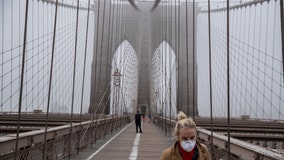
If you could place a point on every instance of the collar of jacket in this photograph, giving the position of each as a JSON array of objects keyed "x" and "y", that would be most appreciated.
[{"x": 177, "y": 155}]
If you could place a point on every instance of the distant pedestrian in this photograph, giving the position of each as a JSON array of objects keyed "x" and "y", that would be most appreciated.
[
  {"x": 138, "y": 122},
  {"x": 143, "y": 117},
  {"x": 150, "y": 119}
]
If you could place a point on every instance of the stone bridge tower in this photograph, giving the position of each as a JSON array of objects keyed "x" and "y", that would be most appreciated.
[{"x": 145, "y": 31}]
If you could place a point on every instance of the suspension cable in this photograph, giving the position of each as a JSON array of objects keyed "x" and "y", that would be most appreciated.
[
  {"x": 186, "y": 44},
  {"x": 170, "y": 81},
  {"x": 193, "y": 58},
  {"x": 265, "y": 50},
  {"x": 118, "y": 29},
  {"x": 165, "y": 68},
  {"x": 101, "y": 49},
  {"x": 50, "y": 79},
  {"x": 228, "y": 80},
  {"x": 74, "y": 78},
  {"x": 85, "y": 55},
  {"x": 84, "y": 70},
  {"x": 96, "y": 58},
  {"x": 210, "y": 78},
  {"x": 258, "y": 57},
  {"x": 2, "y": 53},
  {"x": 282, "y": 34},
  {"x": 164, "y": 75},
  {"x": 22, "y": 79},
  {"x": 178, "y": 58},
  {"x": 11, "y": 90},
  {"x": 109, "y": 43}
]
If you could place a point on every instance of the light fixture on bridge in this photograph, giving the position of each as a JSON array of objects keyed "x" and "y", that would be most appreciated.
[{"x": 116, "y": 76}]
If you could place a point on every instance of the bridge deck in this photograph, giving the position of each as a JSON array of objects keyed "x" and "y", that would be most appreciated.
[{"x": 128, "y": 144}]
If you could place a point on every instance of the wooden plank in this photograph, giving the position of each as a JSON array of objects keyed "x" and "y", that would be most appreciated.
[{"x": 151, "y": 144}]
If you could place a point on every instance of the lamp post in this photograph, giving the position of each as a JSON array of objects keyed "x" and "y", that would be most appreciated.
[{"x": 116, "y": 82}]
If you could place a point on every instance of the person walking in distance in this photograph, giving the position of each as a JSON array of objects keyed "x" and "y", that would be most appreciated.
[
  {"x": 138, "y": 122},
  {"x": 143, "y": 117}
]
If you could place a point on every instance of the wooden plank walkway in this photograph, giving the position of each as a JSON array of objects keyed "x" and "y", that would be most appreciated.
[{"x": 133, "y": 146}]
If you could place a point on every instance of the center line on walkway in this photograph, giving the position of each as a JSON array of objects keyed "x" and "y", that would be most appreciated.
[
  {"x": 108, "y": 142},
  {"x": 134, "y": 152}
]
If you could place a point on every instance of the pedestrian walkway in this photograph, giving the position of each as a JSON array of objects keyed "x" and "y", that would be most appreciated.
[{"x": 128, "y": 144}]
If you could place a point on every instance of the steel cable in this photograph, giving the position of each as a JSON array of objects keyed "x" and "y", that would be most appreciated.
[{"x": 22, "y": 80}]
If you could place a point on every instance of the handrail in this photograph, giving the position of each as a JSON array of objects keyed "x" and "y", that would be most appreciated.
[
  {"x": 34, "y": 139},
  {"x": 239, "y": 148}
]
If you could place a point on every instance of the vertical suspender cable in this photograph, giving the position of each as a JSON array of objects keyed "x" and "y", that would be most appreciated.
[
  {"x": 115, "y": 21},
  {"x": 186, "y": 45},
  {"x": 85, "y": 55},
  {"x": 193, "y": 59},
  {"x": 118, "y": 44},
  {"x": 210, "y": 77},
  {"x": 50, "y": 79},
  {"x": 273, "y": 49},
  {"x": 265, "y": 51},
  {"x": 38, "y": 44},
  {"x": 282, "y": 34},
  {"x": 2, "y": 53},
  {"x": 162, "y": 68},
  {"x": 112, "y": 48},
  {"x": 11, "y": 65},
  {"x": 109, "y": 50},
  {"x": 118, "y": 27},
  {"x": 258, "y": 58},
  {"x": 74, "y": 78},
  {"x": 101, "y": 50},
  {"x": 22, "y": 80},
  {"x": 100, "y": 57},
  {"x": 176, "y": 48},
  {"x": 228, "y": 79},
  {"x": 165, "y": 64},
  {"x": 84, "y": 69},
  {"x": 178, "y": 59},
  {"x": 165, "y": 68},
  {"x": 96, "y": 59},
  {"x": 170, "y": 82}
]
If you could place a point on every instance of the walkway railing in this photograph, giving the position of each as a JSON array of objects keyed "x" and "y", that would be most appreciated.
[
  {"x": 31, "y": 144},
  {"x": 240, "y": 149}
]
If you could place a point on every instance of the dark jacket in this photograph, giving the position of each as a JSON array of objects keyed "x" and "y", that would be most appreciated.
[
  {"x": 138, "y": 118},
  {"x": 173, "y": 153}
]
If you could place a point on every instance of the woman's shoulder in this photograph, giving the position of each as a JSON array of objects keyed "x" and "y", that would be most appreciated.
[
  {"x": 168, "y": 150},
  {"x": 167, "y": 153},
  {"x": 201, "y": 145},
  {"x": 203, "y": 151}
]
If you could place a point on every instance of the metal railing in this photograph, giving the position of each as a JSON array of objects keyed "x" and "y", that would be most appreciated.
[
  {"x": 31, "y": 144},
  {"x": 240, "y": 149}
]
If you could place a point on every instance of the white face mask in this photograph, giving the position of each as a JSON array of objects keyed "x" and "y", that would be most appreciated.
[{"x": 188, "y": 145}]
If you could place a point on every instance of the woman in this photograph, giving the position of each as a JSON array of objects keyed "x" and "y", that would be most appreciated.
[{"x": 186, "y": 146}]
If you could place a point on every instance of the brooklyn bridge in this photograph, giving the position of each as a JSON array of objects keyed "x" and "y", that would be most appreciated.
[{"x": 73, "y": 74}]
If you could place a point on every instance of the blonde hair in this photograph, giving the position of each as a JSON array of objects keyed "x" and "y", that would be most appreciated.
[{"x": 183, "y": 122}]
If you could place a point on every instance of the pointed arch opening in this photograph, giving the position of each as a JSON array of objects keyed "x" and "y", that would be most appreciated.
[
  {"x": 164, "y": 81},
  {"x": 124, "y": 80}
]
